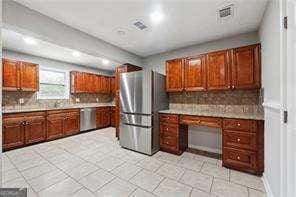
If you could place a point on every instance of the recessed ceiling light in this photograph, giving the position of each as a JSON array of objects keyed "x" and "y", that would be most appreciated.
[
  {"x": 76, "y": 53},
  {"x": 121, "y": 33},
  {"x": 156, "y": 17},
  {"x": 105, "y": 62},
  {"x": 30, "y": 40}
]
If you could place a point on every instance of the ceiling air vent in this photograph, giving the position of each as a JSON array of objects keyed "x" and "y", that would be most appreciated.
[
  {"x": 225, "y": 12},
  {"x": 140, "y": 25}
]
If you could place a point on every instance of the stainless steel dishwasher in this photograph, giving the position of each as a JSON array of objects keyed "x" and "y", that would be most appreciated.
[{"x": 87, "y": 118}]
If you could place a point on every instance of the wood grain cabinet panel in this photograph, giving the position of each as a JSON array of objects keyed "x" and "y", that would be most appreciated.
[
  {"x": 103, "y": 117},
  {"x": 246, "y": 72},
  {"x": 13, "y": 132},
  {"x": 11, "y": 75},
  {"x": 29, "y": 77},
  {"x": 112, "y": 117},
  {"x": 97, "y": 84},
  {"x": 35, "y": 128},
  {"x": 237, "y": 139},
  {"x": 240, "y": 125},
  {"x": 218, "y": 70},
  {"x": 112, "y": 85},
  {"x": 55, "y": 126},
  {"x": 72, "y": 123},
  {"x": 174, "y": 75},
  {"x": 77, "y": 82},
  {"x": 195, "y": 74}
]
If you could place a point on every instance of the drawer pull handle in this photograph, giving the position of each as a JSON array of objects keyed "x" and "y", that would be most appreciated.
[
  {"x": 167, "y": 142},
  {"x": 238, "y": 124},
  {"x": 238, "y": 157},
  {"x": 238, "y": 139},
  {"x": 167, "y": 129}
]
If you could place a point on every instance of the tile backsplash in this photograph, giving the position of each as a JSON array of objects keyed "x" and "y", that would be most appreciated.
[
  {"x": 249, "y": 101},
  {"x": 12, "y": 99}
]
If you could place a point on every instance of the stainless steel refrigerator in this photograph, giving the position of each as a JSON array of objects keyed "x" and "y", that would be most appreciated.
[{"x": 142, "y": 95}]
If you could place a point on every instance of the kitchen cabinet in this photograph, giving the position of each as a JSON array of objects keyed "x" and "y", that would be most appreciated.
[
  {"x": 174, "y": 75},
  {"x": 218, "y": 70},
  {"x": 246, "y": 72},
  {"x": 97, "y": 83},
  {"x": 77, "y": 82},
  {"x": 103, "y": 117},
  {"x": 62, "y": 122},
  {"x": 195, "y": 74},
  {"x": 112, "y": 85},
  {"x": 23, "y": 129},
  {"x": 89, "y": 82},
  {"x": 105, "y": 84},
  {"x": 112, "y": 117},
  {"x": 20, "y": 76}
]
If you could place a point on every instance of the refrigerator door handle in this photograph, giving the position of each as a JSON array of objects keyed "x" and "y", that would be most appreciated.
[{"x": 142, "y": 126}]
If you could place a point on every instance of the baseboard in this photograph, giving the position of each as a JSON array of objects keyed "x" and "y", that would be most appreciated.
[
  {"x": 204, "y": 148},
  {"x": 267, "y": 186}
]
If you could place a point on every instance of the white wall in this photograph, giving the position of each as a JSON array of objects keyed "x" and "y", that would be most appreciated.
[
  {"x": 24, "y": 20},
  {"x": 271, "y": 68},
  {"x": 49, "y": 63},
  {"x": 157, "y": 62}
]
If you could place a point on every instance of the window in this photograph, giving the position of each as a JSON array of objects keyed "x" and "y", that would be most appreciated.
[{"x": 53, "y": 84}]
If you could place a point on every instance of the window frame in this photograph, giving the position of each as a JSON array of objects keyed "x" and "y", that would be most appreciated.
[{"x": 66, "y": 84}]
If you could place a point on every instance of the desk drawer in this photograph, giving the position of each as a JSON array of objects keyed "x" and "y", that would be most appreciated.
[
  {"x": 173, "y": 129},
  {"x": 239, "y": 159},
  {"x": 240, "y": 125},
  {"x": 241, "y": 140},
  {"x": 200, "y": 121},
  {"x": 169, "y": 142},
  {"x": 168, "y": 118}
]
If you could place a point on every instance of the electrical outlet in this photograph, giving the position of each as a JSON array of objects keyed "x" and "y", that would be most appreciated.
[
  {"x": 77, "y": 100},
  {"x": 97, "y": 99},
  {"x": 21, "y": 101}
]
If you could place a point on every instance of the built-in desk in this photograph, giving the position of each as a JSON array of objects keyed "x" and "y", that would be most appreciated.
[{"x": 243, "y": 139}]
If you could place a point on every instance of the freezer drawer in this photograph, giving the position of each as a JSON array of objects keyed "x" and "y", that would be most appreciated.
[
  {"x": 136, "y": 138},
  {"x": 136, "y": 119}
]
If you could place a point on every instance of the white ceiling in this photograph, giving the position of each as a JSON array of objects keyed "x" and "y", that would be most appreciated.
[
  {"x": 12, "y": 40},
  {"x": 186, "y": 22}
]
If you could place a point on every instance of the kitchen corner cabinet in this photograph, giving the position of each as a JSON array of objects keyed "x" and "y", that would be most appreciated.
[
  {"x": 246, "y": 67},
  {"x": 195, "y": 74},
  {"x": 218, "y": 70},
  {"x": 174, "y": 75},
  {"x": 238, "y": 68},
  {"x": 22, "y": 129},
  {"x": 20, "y": 76},
  {"x": 103, "y": 117}
]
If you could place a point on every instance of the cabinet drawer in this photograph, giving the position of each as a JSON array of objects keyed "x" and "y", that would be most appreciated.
[
  {"x": 172, "y": 129},
  {"x": 169, "y": 118},
  {"x": 241, "y": 140},
  {"x": 169, "y": 142},
  {"x": 239, "y": 125},
  {"x": 200, "y": 121},
  {"x": 239, "y": 159}
]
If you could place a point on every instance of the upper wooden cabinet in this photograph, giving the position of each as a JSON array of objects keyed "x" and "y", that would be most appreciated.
[
  {"x": 174, "y": 75},
  {"x": 238, "y": 68},
  {"x": 20, "y": 76},
  {"x": 246, "y": 67},
  {"x": 89, "y": 83},
  {"x": 195, "y": 73},
  {"x": 112, "y": 85},
  {"x": 218, "y": 70}
]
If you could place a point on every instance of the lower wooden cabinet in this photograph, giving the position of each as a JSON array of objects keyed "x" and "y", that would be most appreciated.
[
  {"x": 103, "y": 117},
  {"x": 62, "y": 122},
  {"x": 23, "y": 128},
  {"x": 112, "y": 117}
]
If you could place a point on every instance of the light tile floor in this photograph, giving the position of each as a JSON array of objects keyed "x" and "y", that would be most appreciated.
[{"x": 93, "y": 164}]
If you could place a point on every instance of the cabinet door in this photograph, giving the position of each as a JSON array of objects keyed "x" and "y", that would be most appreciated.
[
  {"x": 195, "y": 74},
  {"x": 246, "y": 67},
  {"x": 55, "y": 126},
  {"x": 72, "y": 123},
  {"x": 105, "y": 85},
  {"x": 112, "y": 117},
  {"x": 99, "y": 118},
  {"x": 97, "y": 83},
  {"x": 106, "y": 117},
  {"x": 35, "y": 129},
  {"x": 77, "y": 82},
  {"x": 112, "y": 85},
  {"x": 174, "y": 75},
  {"x": 11, "y": 75},
  {"x": 218, "y": 70},
  {"x": 89, "y": 82},
  {"x": 29, "y": 79},
  {"x": 13, "y": 132}
]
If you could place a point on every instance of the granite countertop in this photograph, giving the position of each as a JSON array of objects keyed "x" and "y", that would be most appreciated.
[
  {"x": 240, "y": 115},
  {"x": 36, "y": 108}
]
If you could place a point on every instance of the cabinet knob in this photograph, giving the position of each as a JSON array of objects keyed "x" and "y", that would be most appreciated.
[
  {"x": 167, "y": 142},
  {"x": 238, "y": 124},
  {"x": 228, "y": 87},
  {"x": 233, "y": 86},
  {"x": 167, "y": 129},
  {"x": 238, "y": 139},
  {"x": 238, "y": 157}
]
